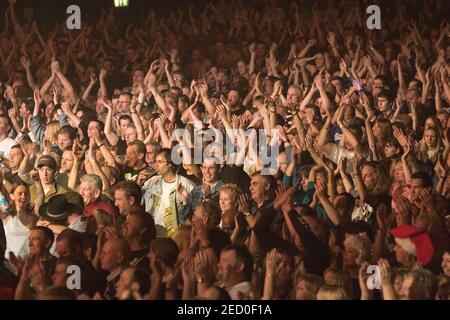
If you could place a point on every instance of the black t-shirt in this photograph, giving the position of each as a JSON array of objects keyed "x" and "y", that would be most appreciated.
[
  {"x": 139, "y": 259},
  {"x": 132, "y": 174}
]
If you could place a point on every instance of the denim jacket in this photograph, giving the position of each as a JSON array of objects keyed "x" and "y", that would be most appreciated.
[
  {"x": 196, "y": 196},
  {"x": 38, "y": 127},
  {"x": 152, "y": 200}
]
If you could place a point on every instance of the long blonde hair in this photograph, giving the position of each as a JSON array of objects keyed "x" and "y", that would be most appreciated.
[
  {"x": 382, "y": 179},
  {"x": 332, "y": 293},
  {"x": 412, "y": 163},
  {"x": 423, "y": 145},
  {"x": 52, "y": 131}
]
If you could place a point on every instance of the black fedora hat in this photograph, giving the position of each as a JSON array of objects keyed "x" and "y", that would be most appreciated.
[{"x": 57, "y": 208}]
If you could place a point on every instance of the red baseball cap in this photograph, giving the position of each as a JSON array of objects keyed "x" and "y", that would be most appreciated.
[{"x": 421, "y": 240}]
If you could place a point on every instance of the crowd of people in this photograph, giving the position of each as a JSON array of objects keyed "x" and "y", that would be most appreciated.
[{"x": 93, "y": 204}]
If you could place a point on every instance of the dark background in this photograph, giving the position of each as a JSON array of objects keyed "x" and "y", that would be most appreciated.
[{"x": 47, "y": 12}]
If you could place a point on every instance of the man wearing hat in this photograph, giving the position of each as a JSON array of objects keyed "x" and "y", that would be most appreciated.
[
  {"x": 60, "y": 212},
  {"x": 47, "y": 169},
  {"x": 63, "y": 211},
  {"x": 412, "y": 246}
]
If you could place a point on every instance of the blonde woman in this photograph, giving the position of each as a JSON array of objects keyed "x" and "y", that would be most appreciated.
[
  {"x": 401, "y": 172},
  {"x": 429, "y": 148},
  {"x": 336, "y": 277},
  {"x": 50, "y": 143},
  {"x": 46, "y": 133},
  {"x": 228, "y": 201},
  {"x": 371, "y": 181},
  {"x": 332, "y": 293},
  {"x": 306, "y": 287},
  {"x": 433, "y": 122}
]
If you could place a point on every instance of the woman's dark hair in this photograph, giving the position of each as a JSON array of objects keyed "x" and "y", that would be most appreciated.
[
  {"x": 426, "y": 180},
  {"x": 166, "y": 249},
  {"x": 89, "y": 242},
  {"x": 142, "y": 276},
  {"x": 13, "y": 188}
]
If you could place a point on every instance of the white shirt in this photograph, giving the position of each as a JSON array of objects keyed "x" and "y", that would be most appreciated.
[
  {"x": 338, "y": 152},
  {"x": 245, "y": 288},
  {"x": 5, "y": 147},
  {"x": 16, "y": 235},
  {"x": 167, "y": 189},
  {"x": 79, "y": 225}
]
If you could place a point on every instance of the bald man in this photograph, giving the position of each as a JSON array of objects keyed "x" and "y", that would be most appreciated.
[{"x": 114, "y": 258}]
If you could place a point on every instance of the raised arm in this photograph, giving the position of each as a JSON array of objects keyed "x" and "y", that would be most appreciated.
[
  {"x": 97, "y": 170},
  {"x": 323, "y": 134},
  {"x": 65, "y": 107},
  {"x": 27, "y": 67},
  {"x": 426, "y": 87},
  {"x": 371, "y": 139},
  {"x": 346, "y": 179},
  {"x": 165, "y": 140},
  {"x": 137, "y": 121},
  {"x": 77, "y": 154},
  {"x": 17, "y": 27},
  {"x": 401, "y": 81},
  {"x": 329, "y": 208},
  {"x": 309, "y": 96},
  {"x": 437, "y": 96},
  {"x": 160, "y": 102},
  {"x": 351, "y": 138},
  {"x": 203, "y": 89},
  {"x": 406, "y": 168},
  {"x": 331, "y": 38},
  {"x": 110, "y": 135},
  {"x": 377, "y": 55},
  {"x": 323, "y": 95},
  {"x": 168, "y": 74},
  {"x": 38, "y": 34},
  {"x": 13, "y": 116},
  {"x": 192, "y": 19},
  {"x": 386, "y": 280},
  {"x": 414, "y": 115},
  {"x": 49, "y": 82},
  {"x": 88, "y": 90},
  {"x": 65, "y": 82},
  {"x": 103, "y": 91},
  {"x": 251, "y": 67}
]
